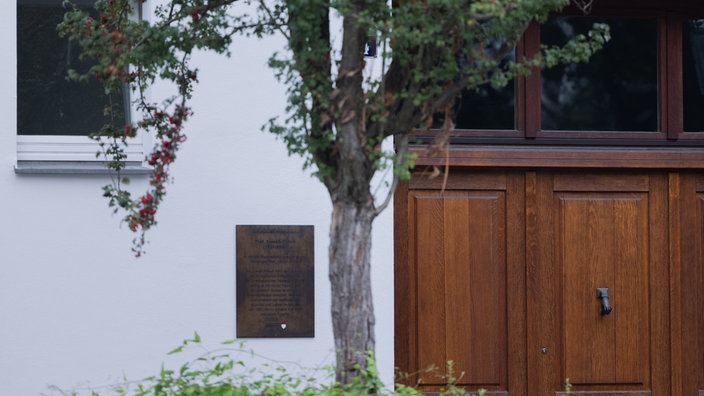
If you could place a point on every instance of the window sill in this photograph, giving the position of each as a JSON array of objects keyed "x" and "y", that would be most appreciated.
[
  {"x": 73, "y": 155},
  {"x": 77, "y": 168}
]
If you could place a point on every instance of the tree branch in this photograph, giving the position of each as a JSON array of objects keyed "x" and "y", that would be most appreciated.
[
  {"x": 401, "y": 151},
  {"x": 309, "y": 40}
]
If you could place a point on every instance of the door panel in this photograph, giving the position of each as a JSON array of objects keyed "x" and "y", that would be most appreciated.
[
  {"x": 461, "y": 260},
  {"x": 460, "y": 250},
  {"x": 603, "y": 243},
  {"x": 598, "y": 231}
]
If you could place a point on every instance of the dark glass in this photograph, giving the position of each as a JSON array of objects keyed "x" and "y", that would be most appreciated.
[
  {"x": 48, "y": 103},
  {"x": 487, "y": 108},
  {"x": 693, "y": 75},
  {"x": 617, "y": 90}
]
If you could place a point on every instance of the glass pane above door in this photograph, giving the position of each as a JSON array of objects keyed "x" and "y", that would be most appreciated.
[
  {"x": 617, "y": 90},
  {"x": 693, "y": 75}
]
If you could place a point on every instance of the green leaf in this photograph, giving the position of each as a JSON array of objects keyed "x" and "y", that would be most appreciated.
[{"x": 176, "y": 350}]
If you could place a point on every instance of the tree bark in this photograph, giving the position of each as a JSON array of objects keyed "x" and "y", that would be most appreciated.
[{"x": 352, "y": 307}]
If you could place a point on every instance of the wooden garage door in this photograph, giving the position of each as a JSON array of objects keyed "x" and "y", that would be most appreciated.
[{"x": 501, "y": 278}]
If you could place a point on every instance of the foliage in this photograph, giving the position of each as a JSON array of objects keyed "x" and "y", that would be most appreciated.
[
  {"x": 430, "y": 63},
  {"x": 127, "y": 51},
  {"x": 224, "y": 373}
]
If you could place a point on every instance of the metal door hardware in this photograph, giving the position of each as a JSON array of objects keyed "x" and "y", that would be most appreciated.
[{"x": 602, "y": 293}]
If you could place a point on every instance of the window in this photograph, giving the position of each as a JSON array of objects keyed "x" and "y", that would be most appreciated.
[
  {"x": 645, "y": 87},
  {"x": 54, "y": 114}
]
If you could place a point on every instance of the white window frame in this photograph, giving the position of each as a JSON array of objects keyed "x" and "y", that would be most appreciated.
[{"x": 65, "y": 154}]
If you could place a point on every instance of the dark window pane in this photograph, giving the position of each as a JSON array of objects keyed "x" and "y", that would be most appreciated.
[
  {"x": 47, "y": 102},
  {"x": 484, "y": 108},
  {"x": 487, "y": 108},
  {"x": 616, "y": 91},
  {"x": 693, "y": 75}
]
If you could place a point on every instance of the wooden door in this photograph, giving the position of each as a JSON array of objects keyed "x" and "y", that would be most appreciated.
[
  {"x": 597, "y": 230},
  {"x": 500, "y": 271}
]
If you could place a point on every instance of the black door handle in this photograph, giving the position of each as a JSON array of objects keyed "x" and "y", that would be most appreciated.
[{"x": 602, "y": 293}]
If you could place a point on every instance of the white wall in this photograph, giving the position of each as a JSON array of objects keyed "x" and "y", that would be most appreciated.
[{"x": 77, "y": 309}]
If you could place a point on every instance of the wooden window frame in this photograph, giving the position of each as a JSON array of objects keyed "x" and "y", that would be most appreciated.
[{"x": 670, "y": 16}]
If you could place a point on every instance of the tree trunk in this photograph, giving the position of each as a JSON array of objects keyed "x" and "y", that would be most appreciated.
[
  {"x": 353, "y": 210},
  {"x": 352, "y": 307}
]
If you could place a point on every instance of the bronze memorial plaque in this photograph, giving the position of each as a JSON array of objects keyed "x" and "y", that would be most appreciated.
[{"x": 275, "y": 286}]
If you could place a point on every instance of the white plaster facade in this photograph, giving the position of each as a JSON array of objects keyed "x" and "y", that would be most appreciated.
[{"x": 77, "y": 309}]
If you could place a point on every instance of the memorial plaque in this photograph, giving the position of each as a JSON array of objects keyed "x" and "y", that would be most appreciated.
[{"x": 275, "y": 285}]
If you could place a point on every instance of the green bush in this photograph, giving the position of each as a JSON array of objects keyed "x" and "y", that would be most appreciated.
[{"x": 220, "y": 373}]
